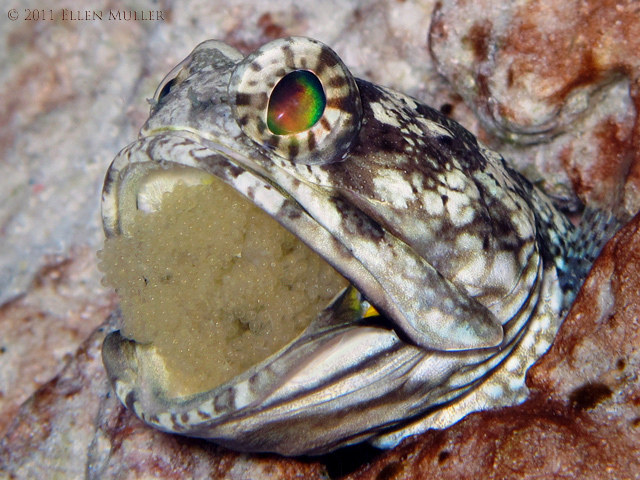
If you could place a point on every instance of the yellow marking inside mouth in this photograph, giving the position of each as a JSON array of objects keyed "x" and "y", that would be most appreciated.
[{"x": 371, "y": 312}]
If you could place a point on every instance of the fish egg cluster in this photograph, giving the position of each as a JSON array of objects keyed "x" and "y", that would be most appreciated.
[{"x": 214, "y": 284}]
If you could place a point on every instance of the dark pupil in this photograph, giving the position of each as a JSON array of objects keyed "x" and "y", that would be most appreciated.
[
  {"x": 296, "y": 103},
  {"x": 167, "y": 88}
]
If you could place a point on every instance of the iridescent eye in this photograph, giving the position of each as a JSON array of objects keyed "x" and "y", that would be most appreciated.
[
  {"x": 296, "y": 104},
  {"x": 297, "y": 101}
]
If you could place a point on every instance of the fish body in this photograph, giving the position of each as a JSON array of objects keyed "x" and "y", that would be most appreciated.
[{"x": 470, "y": 268}]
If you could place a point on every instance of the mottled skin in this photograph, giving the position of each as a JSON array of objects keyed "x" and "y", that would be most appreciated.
[{"x": 463, "y": 257}]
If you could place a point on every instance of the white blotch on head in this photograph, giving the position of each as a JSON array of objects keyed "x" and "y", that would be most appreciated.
[
  {"x": 513, "y": 364},
  {"x": 525, "y": 252},
  {"x": 456, "y": 180},
  {"x": 459, "y": 208},
  {"x": 527, "y": 342},
  {"x": 467, "y": 241},
  {"x": 504, "y": 270},
  {"x": 243, "y": 396},
  {"x": 542, "y": 323},
  {"x": 434, "y": 128},
  {"x": 490, "y": 184},
  {"x": 494, "y": 390},
  {"x": 524, "y": 223},
  {"x": 381, "y": 114},
  {"x": 206, "y": 408},
  {"x": 516, "y": 383},
  {"x": 392, "y": 187},
  {"x": 432, "y": 202},
  {"x": 542, "y": 346},
  {"x": 473, "y": 272},
  {"x": 164, "y": 421}
]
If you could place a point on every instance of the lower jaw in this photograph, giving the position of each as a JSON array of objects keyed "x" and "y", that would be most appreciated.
[{"x": 213, "y": 284}]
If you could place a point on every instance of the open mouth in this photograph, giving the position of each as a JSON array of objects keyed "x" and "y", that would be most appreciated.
[
  {"x": 231, "y": 234},
  {"x": 209, "y": 281}
]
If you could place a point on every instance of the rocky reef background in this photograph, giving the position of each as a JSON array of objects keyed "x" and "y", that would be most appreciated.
[{"x": 554, "y": 86}]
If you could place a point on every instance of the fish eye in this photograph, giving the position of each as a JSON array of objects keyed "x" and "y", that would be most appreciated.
[
  {"x": 296, "y": 103},
  {"x": 296, "y": 99}
]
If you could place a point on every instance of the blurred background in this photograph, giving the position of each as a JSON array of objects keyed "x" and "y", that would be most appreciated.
[{"x": 552, "y": 85}]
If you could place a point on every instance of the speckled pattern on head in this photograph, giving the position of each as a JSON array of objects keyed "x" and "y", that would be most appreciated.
[{"x": 462, "y": 257}]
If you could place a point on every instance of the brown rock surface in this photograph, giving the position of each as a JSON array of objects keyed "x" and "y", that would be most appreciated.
[
  {"x": 541, "y": 70},
  {"x": 73, "y": 93},
  {"x": 41, "y": 331}
]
